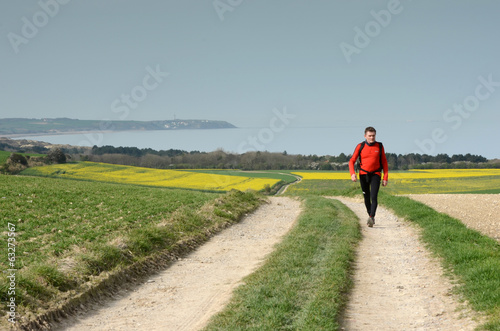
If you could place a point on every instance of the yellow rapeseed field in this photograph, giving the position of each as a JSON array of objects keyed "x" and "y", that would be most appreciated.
[
  {"x": 444, "y": 173},
  {"x": 323, "y": 175},
  {"x": 413, "y": 174},
  {"x": 153, "y": 177},
  {"x": 426, "y": 181}
]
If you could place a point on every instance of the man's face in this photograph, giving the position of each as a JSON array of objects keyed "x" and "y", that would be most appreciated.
[{"x": 370, "y": 137}]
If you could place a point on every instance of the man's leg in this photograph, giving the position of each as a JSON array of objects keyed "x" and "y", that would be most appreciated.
[
  {"x": 365, "y": 187},
  {"x": 375, "y": 186}
]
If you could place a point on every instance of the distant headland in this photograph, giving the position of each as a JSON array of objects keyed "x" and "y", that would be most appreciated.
[{"x": 10, "y": 127}]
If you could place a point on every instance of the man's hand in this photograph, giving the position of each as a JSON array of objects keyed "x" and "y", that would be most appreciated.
[
  {"x": 384, "y": 183},
  {"x": 353, "y": 177}
]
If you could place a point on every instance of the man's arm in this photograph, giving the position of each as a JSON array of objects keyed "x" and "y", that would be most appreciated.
[
  {"x": 352, "y": 161},
  {"x": 385, "y": 168}
]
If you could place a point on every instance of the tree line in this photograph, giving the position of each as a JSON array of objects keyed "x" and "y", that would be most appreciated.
[
  {"x": 220, "y": 159},
  {"x": 263, "y": 160}
]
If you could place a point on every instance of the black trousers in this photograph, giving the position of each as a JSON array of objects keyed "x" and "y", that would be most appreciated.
[{"x": 370, "y": 184}]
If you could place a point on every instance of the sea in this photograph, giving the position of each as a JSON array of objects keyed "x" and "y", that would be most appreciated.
[{"x": 292, "y": 140}]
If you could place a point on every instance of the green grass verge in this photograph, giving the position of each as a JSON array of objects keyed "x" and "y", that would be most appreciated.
[
  {"x": 303, "y": 283},
  {"x": 4, "y": 156},
  {"x": 471, "y": 258},
  {"x": 323, "y": 187},
  {"x": 68, "y": 233}
]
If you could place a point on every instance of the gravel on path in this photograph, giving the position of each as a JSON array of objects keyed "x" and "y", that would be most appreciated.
[
  {"x": 190, "y": 291},
  {"x": 398, "y": 285}
]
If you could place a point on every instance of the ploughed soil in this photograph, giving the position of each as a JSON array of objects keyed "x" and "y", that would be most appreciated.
[
  {"x": 398, "y": 284},
  {"x": 480, "y": 212}
]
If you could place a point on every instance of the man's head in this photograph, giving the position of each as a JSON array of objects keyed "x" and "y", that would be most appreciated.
[{"x": 370, "y": 134}]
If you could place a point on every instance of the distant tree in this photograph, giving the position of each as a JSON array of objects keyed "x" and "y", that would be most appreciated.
[
  {"x": 442, "y": 158},
  {"x": 392, "y": 160},
  {"x": 475, "y": 158},
  {"x": 342, "y": 158},
  {"x": 56, "y": 156},
  {"x": 457, "y": 158},
  {"x": 18, "y": 159},
  {"x": 14, "y": 164},
  {"x": 325, "y": 166}
]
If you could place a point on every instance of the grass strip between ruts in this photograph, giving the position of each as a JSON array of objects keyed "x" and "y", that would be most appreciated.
[
  {"x": 471, "y": 258},
  {"x": 303, "y": 284}
]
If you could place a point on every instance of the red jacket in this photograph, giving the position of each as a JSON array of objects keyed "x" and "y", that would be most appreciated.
[{"x": 370, "y": 159}]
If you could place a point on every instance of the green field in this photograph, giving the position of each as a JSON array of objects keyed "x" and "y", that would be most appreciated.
[
  {"x": 69, "y": 232},
  {"x": 72, "y": 234},
  {"x": 5, "y": 155}
]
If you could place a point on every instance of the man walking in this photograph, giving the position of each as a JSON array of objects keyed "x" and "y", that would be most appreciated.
[{"x": 372, "y": 161}]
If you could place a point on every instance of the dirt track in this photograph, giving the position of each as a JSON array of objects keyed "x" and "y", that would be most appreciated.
[
  {"x": 398, "y": 285},
  {"x": 185, "y": 295}
]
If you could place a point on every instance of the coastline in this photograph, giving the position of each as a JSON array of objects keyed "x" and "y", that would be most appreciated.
[{"x": 60, "y": 133}]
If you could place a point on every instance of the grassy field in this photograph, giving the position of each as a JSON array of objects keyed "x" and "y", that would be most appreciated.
[
  {"x": 69, "y": 233},
  {"x": 5, "y": 155},
  {"x": 196, "y": 180}
]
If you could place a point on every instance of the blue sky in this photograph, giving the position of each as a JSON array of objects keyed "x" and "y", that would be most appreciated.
[{"x": 424, "y": 73}]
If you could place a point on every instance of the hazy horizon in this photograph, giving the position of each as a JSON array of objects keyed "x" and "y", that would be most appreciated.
[{"x": 425, "y": 74}]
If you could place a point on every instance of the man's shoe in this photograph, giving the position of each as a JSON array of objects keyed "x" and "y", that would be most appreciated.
[{"x": 370, "y": 222}]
